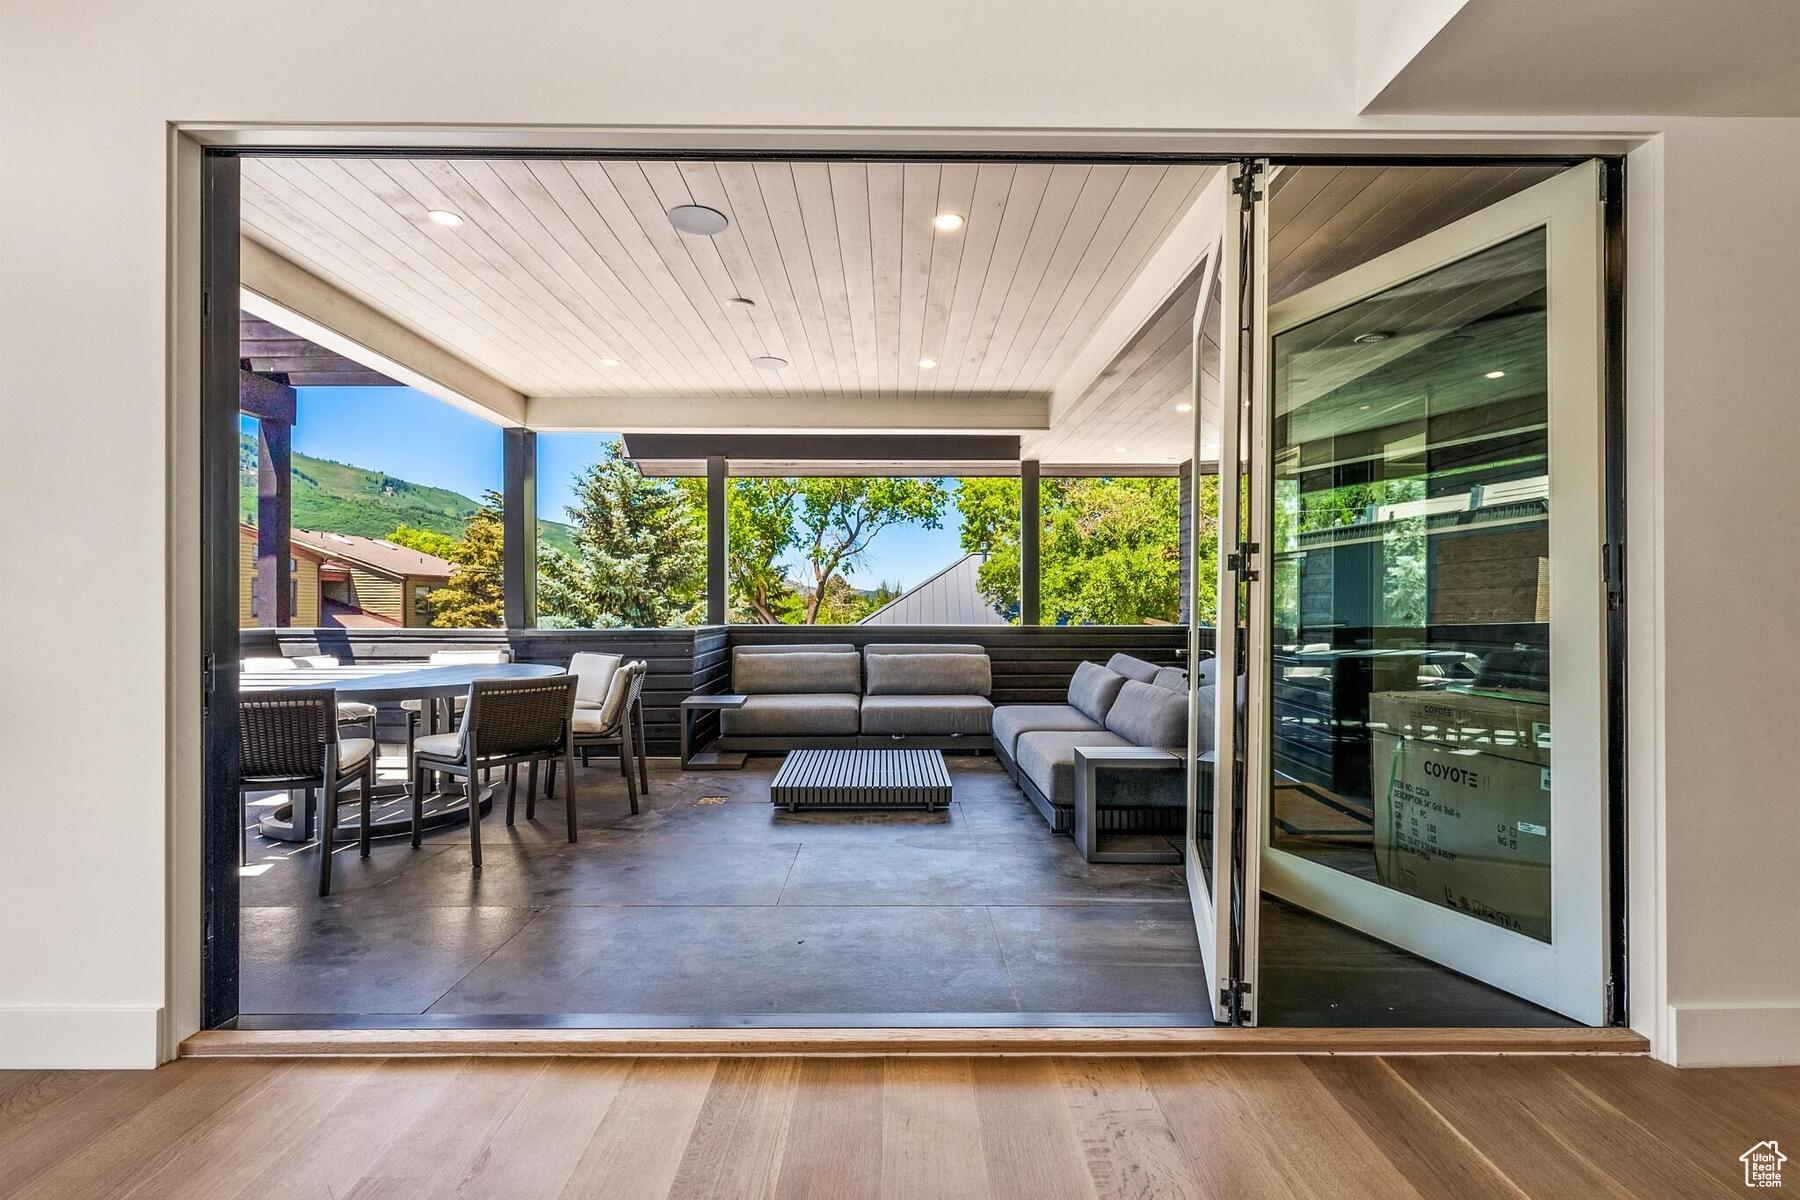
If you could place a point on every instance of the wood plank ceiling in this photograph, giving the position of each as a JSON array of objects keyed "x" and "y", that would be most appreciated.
[{"x": 566, "y": 278}]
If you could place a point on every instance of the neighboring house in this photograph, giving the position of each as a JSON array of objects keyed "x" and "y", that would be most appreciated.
[
  {"x": 343, "y": 580},
  {"x": 304, "y": 565},
  {"x": 951, "y": 597},
  {"x": 371, "y": 581}
]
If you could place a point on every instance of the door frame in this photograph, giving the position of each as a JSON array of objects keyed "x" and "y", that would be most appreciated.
[{"x": 221, "y": 144}]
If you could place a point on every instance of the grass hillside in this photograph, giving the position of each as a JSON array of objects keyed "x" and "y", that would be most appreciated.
[{"x": 344, "y": 499}]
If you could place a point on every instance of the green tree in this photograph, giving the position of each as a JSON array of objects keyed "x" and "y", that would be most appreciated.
[
  {"x": 990, "y": 527},
  {"x": 475, "y": 597},
  {"x": 759, "y": 531},
  {"x": 425, "y": 541},
  {"x": 640, "y": 551},
  {"x": 838, "y": 518}
]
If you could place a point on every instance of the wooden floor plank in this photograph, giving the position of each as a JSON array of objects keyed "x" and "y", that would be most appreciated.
[
  {"x": 439, "y": 1147},
  {"x": 23, "y": 1094},
  {"x": 1130, "y": 1150},
  {"x": 1228, "y": 1153},
  {"x": 736, "y": 1146},
  {"x": 931, "y": 1130},
  {"x": 833, "y": 1148},
  {"x": 639, "y": 1144},
  {"x": 536, "y": 1150},
  {"x": 1028, "y": 1136}
]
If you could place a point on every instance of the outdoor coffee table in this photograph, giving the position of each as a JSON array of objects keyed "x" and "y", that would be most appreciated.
[{"x": 862, "y": 779}]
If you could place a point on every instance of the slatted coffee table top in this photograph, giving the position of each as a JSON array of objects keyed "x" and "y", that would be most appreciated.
[{"x": 862, "y": 779}]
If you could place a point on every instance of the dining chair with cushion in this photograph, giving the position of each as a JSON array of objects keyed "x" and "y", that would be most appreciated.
[
  {"x": 289, "y": 741},
  {"x": 507, "y": 722},
  {"x": 617, "y": 721},
  {"x": 414, "y": 709},
  {"x": 349, "y": 712}
]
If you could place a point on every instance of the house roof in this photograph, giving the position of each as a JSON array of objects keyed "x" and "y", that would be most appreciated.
[
  {"x": 950, "y": 597},
  {"x": 337, "y": 615},
  {"x": 245, "y": 529},
  {"x": 376, "y": 554}
]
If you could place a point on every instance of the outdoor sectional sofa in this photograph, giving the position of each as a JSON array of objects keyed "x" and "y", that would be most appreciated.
[
  {"x": 1128, "y": 703},
  {"x": 921, "y": 696}
]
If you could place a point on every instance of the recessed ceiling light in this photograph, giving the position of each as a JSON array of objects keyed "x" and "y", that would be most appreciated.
[
  {"x": 1495, "y": 375},
  {"x": 1118, "y": 450},
  {"x": 739, "y": 302},
  {"x": 609, "y": 362},
  {"x": 1184, "y": 406},
  {"x": 928, "y": 364},
  {"x": 1369, "y": 339},
  {"x": 444, "y": 217},
  {"x": 947, "y": 222},
  {"x": 1362, "y": 408},
  {"x": 768, "y": 362},
  {"x": 697, "y": 218}
]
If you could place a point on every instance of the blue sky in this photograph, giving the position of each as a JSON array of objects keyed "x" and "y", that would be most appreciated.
[{"x": 415, "y": 437}]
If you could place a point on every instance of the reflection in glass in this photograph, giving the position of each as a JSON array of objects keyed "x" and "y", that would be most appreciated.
[{"x": 1410, "y": 589}]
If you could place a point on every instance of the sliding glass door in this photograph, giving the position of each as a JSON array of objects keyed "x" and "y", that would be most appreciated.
[{"x": 1427, "y": 619}]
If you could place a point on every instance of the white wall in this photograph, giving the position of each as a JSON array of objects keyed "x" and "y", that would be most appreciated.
[
  {"x": 98, "y": 875},
  {"x": 1390, "y": 34}
]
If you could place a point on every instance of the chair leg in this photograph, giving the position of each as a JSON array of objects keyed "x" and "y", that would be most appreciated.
[
  {"x": 368, "y": 798},
  {"x": 471, "y": 791},
  {"x": 308, "y": 830},
  {"x": 625, "y": 755},
  {"x": 569, "y": 789},
  {"x": 418, "y": 806},
  {"x": 643, "y": 758},
  {"x": 550, "y": 781},
  {"x": 531, "y": 791},
  {"x": 327, "y": 820},
  {"x": 512, "y": 790}
]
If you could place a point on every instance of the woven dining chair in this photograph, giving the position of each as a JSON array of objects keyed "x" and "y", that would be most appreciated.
[
  {"x": 618, "y": 721},
  {"x": 508, "y": 722},
  {"x": 433, "y": 710},
  {"x": 349, "y": 712},
  {"x": 290, "y": 740}
]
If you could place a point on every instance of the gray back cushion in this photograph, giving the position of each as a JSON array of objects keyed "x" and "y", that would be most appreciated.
[
  {"x": 797, "y": 672},
  {"x": 1093, "y": 690},
  {"x": 797, "y": 648},
  {"x": 1206, "y": 671},
  {"x": 1173, "y": 678},
  {"x": 929, "y": 675},
  {"x": 1131, "y": 668},
  {"x": 1146, "y": 715},
  {"x": 874, "y": 648}
]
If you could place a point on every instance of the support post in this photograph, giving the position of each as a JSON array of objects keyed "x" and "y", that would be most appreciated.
[
  {"x": 519, "y": 548},
  {"x": 718, "y": 585},
  {"x": 1030, "y": 529},
  {"x": 273, "y": 405}
]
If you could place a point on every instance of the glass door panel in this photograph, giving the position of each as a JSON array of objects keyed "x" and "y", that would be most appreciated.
[{"x": 1433, "y": 597}]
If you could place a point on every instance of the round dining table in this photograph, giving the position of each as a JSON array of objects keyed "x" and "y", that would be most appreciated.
[{"x": 385, "y": 683}]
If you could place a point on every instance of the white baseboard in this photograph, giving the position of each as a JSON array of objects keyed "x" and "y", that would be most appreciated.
[
  {"x": 80, "y": 1038},
  {"x": 1734, "y": 1035}
]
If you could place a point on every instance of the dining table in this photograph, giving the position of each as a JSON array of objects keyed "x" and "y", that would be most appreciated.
[{"x": 385, "y": 683}]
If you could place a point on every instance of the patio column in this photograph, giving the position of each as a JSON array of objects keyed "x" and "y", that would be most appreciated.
[
  {"x": 272, "y": 404},
  {"x": 518, "y": 553},
  {"x": 718, "y": 596},
  {"x": 1030, "y": 529}
]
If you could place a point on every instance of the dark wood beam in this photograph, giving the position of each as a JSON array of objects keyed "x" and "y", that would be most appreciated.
[
  {"x": 828, "y": 447},
  {"x": 1030, "y": 531},
  {"x": 265, "y": 399},
  {"x": 519, "y": 549},
  {"x": 272, "y": 596},
  {"x": 718, "y": 583}
]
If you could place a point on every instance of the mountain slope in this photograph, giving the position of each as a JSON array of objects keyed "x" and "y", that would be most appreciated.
[{"x": 347, "y": 499}]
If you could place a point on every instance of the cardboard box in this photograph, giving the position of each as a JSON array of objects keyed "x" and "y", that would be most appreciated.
[{"x": 1461, "y": 782}]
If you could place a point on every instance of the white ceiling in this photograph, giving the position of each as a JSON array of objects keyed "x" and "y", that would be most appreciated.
[{"x": 566, "y": 278}]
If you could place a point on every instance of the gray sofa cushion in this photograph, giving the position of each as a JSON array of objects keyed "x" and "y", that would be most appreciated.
[
  {"x": 1047, "y": 758},
  {"x": 1207, "y": 671},
  {"x": 1094, "y": 689},
  {"x": 826, "y": 715},
  {"x": 1146, "y": 715},
  {"x": 795, "y": 672},
  {"x": 937, "y": 716},
  {"x": 1131, "y": 668},
  {"x": 929, "y": 675},
  {"x": 874, "y": 648},
  {"x": 798, "y": 648},
  {"x": 1173, "y": 678},
  {"x": 1013, "y": 720}
]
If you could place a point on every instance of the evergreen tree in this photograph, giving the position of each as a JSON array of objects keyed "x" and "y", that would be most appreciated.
[
  {"x": 640, "y": 551},
  {"x": 475, "y": 596}
]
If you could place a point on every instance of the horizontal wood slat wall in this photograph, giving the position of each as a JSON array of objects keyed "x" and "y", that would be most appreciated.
[{"x": 1030, "y": 665}]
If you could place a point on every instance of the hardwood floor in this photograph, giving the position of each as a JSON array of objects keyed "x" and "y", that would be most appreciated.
[{"x": 1036, "y": 1128}]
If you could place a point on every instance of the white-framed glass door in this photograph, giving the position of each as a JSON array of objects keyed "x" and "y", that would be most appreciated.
[
  {"x": 1220, "y": 872},
  {"x": 1426, "y": 492}
]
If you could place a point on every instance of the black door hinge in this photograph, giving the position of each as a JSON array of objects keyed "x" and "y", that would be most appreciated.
[
  {"x": 209, "y": 673},
  {"x": 1612, "y": 572},
  {"x": 1232, "y": 1000},
  {"x": 1245, "y": 184},
  {"x": 1238, "y": 561}
]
